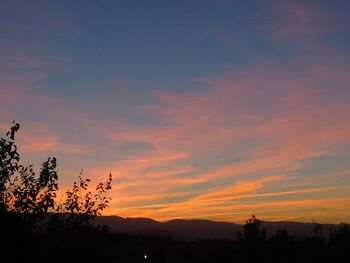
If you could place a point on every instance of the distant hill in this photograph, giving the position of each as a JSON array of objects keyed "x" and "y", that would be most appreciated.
[{"x": 199, "y": 229}]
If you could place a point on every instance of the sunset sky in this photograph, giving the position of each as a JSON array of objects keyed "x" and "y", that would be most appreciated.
[{"x": 211, "y": 109}]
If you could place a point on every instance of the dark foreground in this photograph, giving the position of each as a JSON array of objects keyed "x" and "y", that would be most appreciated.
[{"x": 22, "y": 244}]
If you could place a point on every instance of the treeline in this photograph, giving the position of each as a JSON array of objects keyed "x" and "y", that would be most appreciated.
[
  {"x": 251, "y": 246},
  {"x": 95, "y": 245}
]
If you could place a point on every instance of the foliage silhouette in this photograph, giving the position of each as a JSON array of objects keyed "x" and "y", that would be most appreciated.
[
  {"x": 253, "y": 231},
  {"x": 9, "y": 165},
  {"x": 318, "y": 230},
  {"x": 32, "y": 196},
  {"x": 81, "y": 205}
]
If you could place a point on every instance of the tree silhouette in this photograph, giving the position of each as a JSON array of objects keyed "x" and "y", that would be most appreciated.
[
  {"x": 281, "y": 236},
  {"x": 318, "y": 230},
  {"x": 253, "y": 239},
  {"x": 32, "y": 196},
  {"x": 253, "y": 231},
  {"x": 33, "y": 226},
  {"x": 9, "y": 165},
  {"x": 341, "y": 234},
  {"x": 81, "y": 205}
]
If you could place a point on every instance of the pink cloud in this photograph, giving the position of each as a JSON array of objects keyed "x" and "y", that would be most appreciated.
[
  {"x": 247, "y": 135},
  {"x": 299, "y": 19},
  {"x": 245, "y": 128},
  {"x": 275, "y": 119},
  {"x": 298, "y": 24}
]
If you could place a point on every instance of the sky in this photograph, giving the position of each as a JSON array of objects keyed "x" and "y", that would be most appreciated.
[{"x": 210, "y": 109}]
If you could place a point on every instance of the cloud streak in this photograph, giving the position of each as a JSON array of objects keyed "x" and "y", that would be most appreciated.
[
  {"x": 259, "y": 138},
  {"x": 242, "y": 134}
]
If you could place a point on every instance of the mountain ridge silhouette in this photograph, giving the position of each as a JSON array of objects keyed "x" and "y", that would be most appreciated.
[{"x": 192, "y": 229}]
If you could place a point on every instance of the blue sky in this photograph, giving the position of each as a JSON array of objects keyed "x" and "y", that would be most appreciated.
[{"x": 201, "y": 109}]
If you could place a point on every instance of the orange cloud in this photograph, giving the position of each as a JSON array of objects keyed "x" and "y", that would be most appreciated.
[
  {"x": 246, "y": 135},
  {"x": 296, "y": 124}
]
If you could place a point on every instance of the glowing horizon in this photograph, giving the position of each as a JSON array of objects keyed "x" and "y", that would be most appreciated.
[{"x": 201, "y": 109}]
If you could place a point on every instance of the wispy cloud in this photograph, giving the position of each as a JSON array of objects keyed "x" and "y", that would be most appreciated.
[
  {"x": 240, "y": 133},
  {"x": 250, "y": 139},
  {"x": 297, "y": 19}
]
